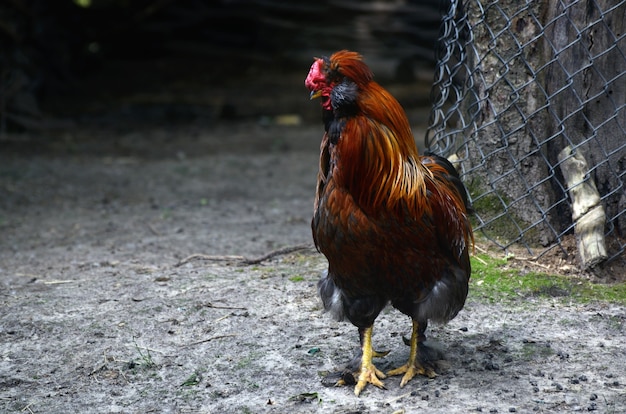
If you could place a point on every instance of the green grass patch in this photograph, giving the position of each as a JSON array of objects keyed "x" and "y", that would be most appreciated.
[
  {"x": 493, "y": 280},
  {"x": 192, "y": 380}
]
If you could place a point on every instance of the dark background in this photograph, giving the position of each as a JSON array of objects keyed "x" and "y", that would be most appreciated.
[{"x": 120, "y": 64}]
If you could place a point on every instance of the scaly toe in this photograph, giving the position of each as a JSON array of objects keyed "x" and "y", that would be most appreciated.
[
  {"x": 410, "y": 371},
  {"x": 371, "y": 376},
  {"x": 379, "y": 354}
]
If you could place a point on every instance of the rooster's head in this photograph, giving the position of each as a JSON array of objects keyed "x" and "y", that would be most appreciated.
[{"x": 326, "y": 73}]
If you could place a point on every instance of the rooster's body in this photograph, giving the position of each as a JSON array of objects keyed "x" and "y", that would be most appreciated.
[{"x": 393, "y": 225}]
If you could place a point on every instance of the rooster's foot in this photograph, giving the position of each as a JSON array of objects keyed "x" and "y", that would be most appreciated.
[{"x": 410, "y": 370}]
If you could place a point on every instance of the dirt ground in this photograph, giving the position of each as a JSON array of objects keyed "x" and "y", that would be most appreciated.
[{"x": 124, "y": 289}]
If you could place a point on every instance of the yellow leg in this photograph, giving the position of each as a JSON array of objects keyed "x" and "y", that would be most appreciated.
[
  {"x": 413, "y": 365},
  {"x": 368, "y": 372}
]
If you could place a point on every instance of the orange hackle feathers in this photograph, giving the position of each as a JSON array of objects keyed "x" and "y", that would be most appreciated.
[{"x": 350, "y": 64}]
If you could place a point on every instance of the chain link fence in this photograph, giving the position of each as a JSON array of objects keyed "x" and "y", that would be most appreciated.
[{"x": 530, "y": 101}]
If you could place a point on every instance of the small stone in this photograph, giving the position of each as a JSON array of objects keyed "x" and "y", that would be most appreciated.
[
  {"x": 491, "y": 366},
  {"x": 562, "y": 355},
  {"x": 572, "y": 401}
]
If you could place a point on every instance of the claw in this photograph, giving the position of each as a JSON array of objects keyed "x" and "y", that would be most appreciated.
[
  {"x": 366, "y": 373},
  {"x": 371, "y": 375},
  {"x": 410, "y": 370},
  {"x": 379, "y": 354},
  {"x": 413, "y": 366}
]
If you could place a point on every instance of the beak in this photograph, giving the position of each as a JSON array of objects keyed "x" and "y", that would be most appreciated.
[{"x": 315, "y": 94}]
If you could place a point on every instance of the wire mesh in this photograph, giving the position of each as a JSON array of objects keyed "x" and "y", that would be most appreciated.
[{"x": 522, "y": 90}]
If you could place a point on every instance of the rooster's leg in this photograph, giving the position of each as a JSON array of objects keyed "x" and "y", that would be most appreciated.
[
  {"x": 413, "y": 366},
  {"x": 368, "y": 372}
]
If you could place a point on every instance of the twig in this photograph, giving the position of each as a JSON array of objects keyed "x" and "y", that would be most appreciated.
[
  {"x": 31, "y": 275},
  {"x": 97, "y": 369},
  {"x": 209, "y": 339},
  {"x": 101, "y": 366},
  {"x": 245, "y": 260},
  {"x": 277, "y": 252},
  {"x": 210, "y": 305},
  {"x": 399, "y": 397},
  {"x": 480, "y": 260},
  {"x": 531, "y": 259},
  {"x": 153, "y": 229},
  {"x": 147, "y": 349},
  {"x": 28, "y": 408},
  {"x": 223, "y": 317},
  {"x": 477, "y": 247},
  {"x": 123, "y": 376},
  {"x": 199, "y": 256}
]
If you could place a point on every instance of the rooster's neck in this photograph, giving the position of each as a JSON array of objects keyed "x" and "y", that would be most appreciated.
[{"x": 378, "y": 168}]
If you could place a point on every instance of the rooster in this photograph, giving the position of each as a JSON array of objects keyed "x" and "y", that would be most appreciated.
[{"x": 392, "y": 224}]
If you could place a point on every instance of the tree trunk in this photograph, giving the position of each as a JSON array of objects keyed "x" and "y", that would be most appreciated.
[
  {"x": 506, "y": 152},
  {"x": 589, "y": 115},
  {"x": 547, "y": 75}
]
